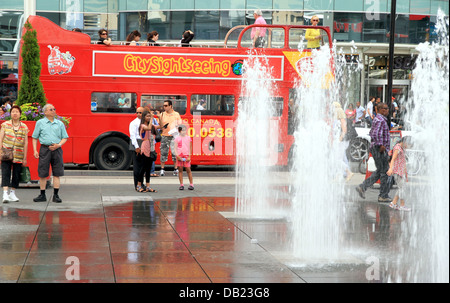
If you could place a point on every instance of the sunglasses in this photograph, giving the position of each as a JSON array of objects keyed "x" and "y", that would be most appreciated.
[
  {"x": 104, "y": 34},
  {"x": 138, "y": 112},
  {"x": 166, "y": 105},
  {"x": 315, "y": 20}
]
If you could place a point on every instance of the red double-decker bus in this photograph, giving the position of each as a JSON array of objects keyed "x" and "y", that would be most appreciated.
[{"x": 100, "y": 87}]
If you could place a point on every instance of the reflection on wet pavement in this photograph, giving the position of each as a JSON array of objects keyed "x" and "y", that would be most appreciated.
[{"x": 180, "y": 240}]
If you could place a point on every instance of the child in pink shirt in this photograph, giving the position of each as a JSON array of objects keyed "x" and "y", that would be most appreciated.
[
  {"x": 183, "y": 146},
  {"x": 397, "y": 168}
]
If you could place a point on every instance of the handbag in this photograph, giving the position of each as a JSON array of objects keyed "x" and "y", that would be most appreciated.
[
  {"x": 7, "y": 154},
  {"x": 153, "y": 156},
  {"x": 158, "y": 136}
]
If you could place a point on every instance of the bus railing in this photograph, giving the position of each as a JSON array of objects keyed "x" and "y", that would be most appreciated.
[
  {"x": 278, "y": 36},
  {"x": 203, "y": 44}
]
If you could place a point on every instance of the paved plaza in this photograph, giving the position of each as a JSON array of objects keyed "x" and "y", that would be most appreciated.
[{"x": 105, "y": 231}]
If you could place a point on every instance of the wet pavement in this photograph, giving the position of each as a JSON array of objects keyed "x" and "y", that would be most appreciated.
[{"x": 104, "y": 231}]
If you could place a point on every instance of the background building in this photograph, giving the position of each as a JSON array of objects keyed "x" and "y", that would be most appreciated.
[{"x": 364, "y": 22}]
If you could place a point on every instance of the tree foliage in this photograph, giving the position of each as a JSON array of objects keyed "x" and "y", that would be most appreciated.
[{"x": 31, "y": 89}]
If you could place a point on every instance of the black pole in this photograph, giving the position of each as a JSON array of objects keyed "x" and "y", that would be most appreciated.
[{"x": 391, "y": 59}]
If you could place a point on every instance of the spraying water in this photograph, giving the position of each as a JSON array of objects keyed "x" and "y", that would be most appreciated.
[
  {"x": 427, "y": 230},
  {"x": 319, "y": 167},
  {"x": 255, "y": 134}
]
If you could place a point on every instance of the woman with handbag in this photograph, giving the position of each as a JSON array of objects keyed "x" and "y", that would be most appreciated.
[
  {"x": 147, "y": 131},
  {"x": 14, "y": 140}
]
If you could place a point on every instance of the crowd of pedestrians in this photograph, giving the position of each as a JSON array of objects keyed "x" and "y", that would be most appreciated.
[{"x": 151, "y": 127}]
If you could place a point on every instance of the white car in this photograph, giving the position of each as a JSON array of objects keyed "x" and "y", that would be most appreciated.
[{"x": 358, "y": 148}]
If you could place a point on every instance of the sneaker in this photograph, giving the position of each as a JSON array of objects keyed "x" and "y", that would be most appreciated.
[
  {"x": 384, "y": 200},
  {"x": 56, "y": 199},
  {"x": 13, "y": 197},
  {"x": 181, "y": 187},
  {"x": 161, "y": 173},
  {"x": 404, "y": 208},
  {"x": 5, "y": 197},
  {"x": 360, "y": 192},
  {"x": 175, "y": 172},
  {"x": 40, "y": 198},
  {"x": 191, "y": 187},
  {"x": 393, "y": 206}
]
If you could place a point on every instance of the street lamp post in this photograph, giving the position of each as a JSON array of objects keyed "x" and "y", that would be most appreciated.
[{"x": 391, "y": 59}]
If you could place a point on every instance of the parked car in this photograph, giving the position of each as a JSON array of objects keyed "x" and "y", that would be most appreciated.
[{"x": 358, "y": 148}]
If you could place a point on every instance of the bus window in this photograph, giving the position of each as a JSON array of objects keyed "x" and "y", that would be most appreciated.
[
  {"x": 156, "y": 102},
  {"x": 222, "y": 105},
  {"x": 107, "y": 102}
]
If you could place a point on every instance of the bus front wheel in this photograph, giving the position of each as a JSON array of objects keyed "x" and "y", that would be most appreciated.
[{"x": 112, "y": 154}]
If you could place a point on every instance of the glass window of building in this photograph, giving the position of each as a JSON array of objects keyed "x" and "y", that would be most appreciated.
[
  {"x": 375, "y": 31},
  {"x": 232, "y": 4},
  {"x": 207, "y": 4},
  {"x": 207, "y": 25},
  {"x": 47, "y": 5},
  {"x": 182, "y": 4},
  {"x": 318, "y": 5},
  {"x": 419, "y": 7},
  {"x": 259, "y": 4},
  {"x": 154, "y": 5},
  {"x": 228, "y": 20},
  {"x": 285, "y": 17},
  {"x": 348, "y": 27},
  {"x": 288, "y": 4},
  {"x": 160, "y": 21},
  {"x": 136, "y": 5},
  {"x": 349, "y": 5},
  {"x": 181, "y": 21}
]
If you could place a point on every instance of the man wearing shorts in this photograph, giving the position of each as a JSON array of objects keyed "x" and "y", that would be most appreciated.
[
  {"x": 52, "y": 135},
  {"x": 169, "y": 120}
]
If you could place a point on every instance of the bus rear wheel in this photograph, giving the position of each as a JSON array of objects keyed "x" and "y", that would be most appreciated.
[{"x": 112, "y": 154}]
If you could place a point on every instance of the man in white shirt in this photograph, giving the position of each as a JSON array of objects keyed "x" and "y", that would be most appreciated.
[
  {"x": 360, "y": 112},
  {"x": 135, "y": 146},
  {"x": 369, "y": 112}
]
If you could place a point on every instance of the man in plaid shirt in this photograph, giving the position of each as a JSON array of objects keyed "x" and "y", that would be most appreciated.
[{"x": 379, "y": 148}]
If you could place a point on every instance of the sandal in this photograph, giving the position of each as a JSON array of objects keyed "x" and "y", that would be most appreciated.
[
  {"x": 140, "y": 189},
  {"x": 154, "y": 175},
  {"x": 151, "y": 190}
]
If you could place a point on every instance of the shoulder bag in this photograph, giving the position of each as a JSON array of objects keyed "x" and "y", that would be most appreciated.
[{"x": 8, "y": 153}]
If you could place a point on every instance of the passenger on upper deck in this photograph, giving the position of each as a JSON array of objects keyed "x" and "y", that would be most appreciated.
[
  {"x": 103, "y": 37},
  {"x": 133, "y": 38},
  {"x": 187, "y": 37},
  {"x": 313, "y": 35},
  {"x": 152, "y": 38},
  {"x": 258, "y": 34}
]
